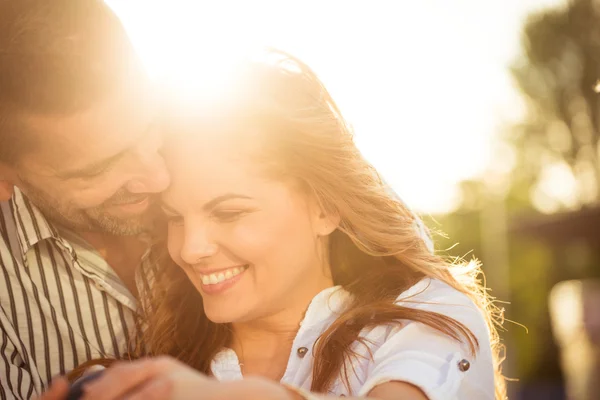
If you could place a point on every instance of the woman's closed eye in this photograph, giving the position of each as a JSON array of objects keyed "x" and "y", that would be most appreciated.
[{"x": 228, "y": 215}]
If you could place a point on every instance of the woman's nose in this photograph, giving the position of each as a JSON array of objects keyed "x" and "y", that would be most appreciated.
[{"x": 197, "y": 247}]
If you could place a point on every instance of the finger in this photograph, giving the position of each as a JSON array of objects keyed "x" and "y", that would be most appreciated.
[
  {"x": 57, "y": 391},
  {"x": 159, "y": 389},
  {"x": 116, "y": 381},
  {"x": 92, "y": 369}
]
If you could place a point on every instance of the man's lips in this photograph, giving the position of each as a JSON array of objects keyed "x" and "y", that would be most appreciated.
[
  {"x": 130, "y": 201},
  {"x": 139, "y": 206}
]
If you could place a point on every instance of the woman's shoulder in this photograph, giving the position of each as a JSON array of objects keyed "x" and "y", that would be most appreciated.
[
  {"x": 436, "y": 296},
  {"x": 431, "y": 294},
  {"x": 415, "y": 352}
]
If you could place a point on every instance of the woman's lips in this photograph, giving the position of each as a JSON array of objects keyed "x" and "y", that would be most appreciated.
[{"x": 219, "y": 281}]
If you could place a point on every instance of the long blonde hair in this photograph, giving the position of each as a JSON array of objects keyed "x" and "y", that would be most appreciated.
[{"x": 375, "y": 254}]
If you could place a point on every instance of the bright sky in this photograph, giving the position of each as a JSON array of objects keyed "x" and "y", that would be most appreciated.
[{"x": 424, "y": 83}]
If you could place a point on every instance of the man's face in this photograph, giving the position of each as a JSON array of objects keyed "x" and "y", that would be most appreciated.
[{"x": 97, "y": 170}]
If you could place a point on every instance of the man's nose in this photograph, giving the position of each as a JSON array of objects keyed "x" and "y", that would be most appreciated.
[{"x": 153, "y": 176}]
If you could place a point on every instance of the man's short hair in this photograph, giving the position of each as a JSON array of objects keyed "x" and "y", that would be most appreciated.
[{"x": 57, "y": 57}]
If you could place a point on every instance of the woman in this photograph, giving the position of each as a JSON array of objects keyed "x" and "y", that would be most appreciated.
[{"x": 294, "y": 264}]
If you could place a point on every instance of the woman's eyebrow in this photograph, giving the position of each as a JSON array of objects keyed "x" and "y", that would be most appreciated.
[{"x": 219, "y": 199}]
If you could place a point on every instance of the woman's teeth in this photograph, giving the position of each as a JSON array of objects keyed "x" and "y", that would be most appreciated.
[{"x": 221, "y": 276}]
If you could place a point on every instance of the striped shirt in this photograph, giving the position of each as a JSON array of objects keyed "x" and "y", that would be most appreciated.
[{"x": 61, "y": 304}]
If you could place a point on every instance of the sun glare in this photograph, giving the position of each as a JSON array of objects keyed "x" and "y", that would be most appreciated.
[{"x": 424, "y": 83}]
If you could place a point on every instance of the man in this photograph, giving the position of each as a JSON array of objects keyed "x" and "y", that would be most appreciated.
[{"x": 79, "y": 164}]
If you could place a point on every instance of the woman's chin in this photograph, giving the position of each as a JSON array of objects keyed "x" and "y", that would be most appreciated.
[
  {"x": 218, "y": 319},
  {"x": 222, "y": 314}
]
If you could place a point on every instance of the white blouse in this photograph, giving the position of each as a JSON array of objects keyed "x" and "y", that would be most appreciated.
[{"x": 440, "y": 366}]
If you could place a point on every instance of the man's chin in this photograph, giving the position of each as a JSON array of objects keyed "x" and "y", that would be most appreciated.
[
  {"x": 127, "y": 219},
  {"x": 126, "y": 224}
]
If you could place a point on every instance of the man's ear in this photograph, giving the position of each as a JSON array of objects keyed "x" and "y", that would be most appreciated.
[{"x": 7, "y": 182}]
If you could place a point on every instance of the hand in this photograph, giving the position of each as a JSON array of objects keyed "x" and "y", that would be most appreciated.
[
  {"x": 157, "y": 378},
  {"x": 164, "y": 378},
  {"x": 58, "y": 390}
]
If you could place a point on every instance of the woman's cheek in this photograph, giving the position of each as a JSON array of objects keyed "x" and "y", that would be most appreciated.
[{"x": 250, "y": 240}]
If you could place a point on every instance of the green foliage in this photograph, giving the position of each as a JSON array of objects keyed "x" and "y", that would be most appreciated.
[{"x": 557, "y": 74}]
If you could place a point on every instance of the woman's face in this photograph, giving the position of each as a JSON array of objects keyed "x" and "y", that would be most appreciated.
[{"x": 251, "y": 245}]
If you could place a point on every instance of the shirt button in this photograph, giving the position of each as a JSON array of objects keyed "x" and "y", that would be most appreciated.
[
  {"x": 464, "y": 365},
  {"x": 302, "y": 352}
]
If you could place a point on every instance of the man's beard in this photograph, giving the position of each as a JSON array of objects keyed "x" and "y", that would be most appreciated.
[{"x": 95, "y": 219}]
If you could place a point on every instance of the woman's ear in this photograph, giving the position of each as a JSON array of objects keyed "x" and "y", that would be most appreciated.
[
  {"x": 328, "y": 224},
  {"x": 325, "y": 221}
]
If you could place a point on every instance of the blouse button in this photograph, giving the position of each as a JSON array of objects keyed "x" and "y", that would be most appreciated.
[
  {"x": 302, "y": 352},
  {"x": 464, "y": 365}
]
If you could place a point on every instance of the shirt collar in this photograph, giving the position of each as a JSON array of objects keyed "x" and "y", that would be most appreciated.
[
  {"x": 333, "y": 300},
  {"x": 323, "y": 309},
  {"x": 32, "y": 227}
]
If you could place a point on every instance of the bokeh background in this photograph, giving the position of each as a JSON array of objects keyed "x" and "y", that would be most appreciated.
[{"x": 481, "y": 114}]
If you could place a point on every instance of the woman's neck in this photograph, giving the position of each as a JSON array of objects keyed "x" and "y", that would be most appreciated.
[
  {"x": 263, "y": 345},
  {"x": 263, "y": 348}
]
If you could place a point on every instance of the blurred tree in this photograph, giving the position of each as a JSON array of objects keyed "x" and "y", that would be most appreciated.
[
  {"x": 557, "y": 153},
  {"x": 558, "y": 143}
]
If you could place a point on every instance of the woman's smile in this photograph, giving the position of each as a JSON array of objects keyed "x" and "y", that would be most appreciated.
[{"x": 218, "y": 281}]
